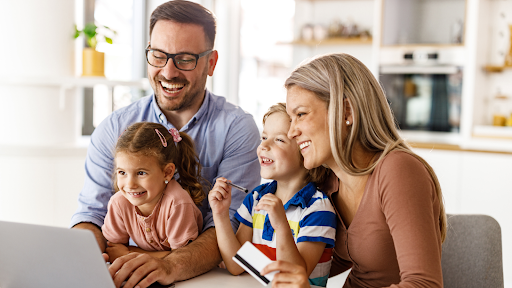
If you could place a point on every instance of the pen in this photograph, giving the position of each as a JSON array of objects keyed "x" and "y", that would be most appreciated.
[{"x": 238, "y": 187}]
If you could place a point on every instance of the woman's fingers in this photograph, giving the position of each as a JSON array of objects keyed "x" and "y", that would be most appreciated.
[
  {"x": 290, "y": 275},
  {"x": 283, "y": 267}
]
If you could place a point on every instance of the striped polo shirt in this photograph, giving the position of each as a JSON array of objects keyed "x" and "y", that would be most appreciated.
[{"x": 311, "y": 218}]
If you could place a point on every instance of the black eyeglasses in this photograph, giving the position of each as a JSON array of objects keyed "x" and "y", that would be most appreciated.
[{"x": 182, "y": 61}]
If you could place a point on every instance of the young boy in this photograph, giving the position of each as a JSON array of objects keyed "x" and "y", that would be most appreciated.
[{"x": 300, "y": 231}]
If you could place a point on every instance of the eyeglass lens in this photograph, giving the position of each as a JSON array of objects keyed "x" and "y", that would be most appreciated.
[{"x": 181, "y": 61}]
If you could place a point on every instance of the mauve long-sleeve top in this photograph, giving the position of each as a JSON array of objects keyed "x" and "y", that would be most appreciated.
[{"x": 394, "y": 239}]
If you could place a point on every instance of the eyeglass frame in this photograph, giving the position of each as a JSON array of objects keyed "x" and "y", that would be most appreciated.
[{"x": 169, "y": 55}]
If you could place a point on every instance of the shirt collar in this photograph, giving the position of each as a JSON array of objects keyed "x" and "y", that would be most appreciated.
[
  {"x": 159, "y": 114},
  {"x": 268, "y": 188},
  {"x": 202, "y": 111},
  {"x": 300, "y": 198}
]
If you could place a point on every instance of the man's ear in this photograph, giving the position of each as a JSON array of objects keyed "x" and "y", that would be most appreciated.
[
  {"x": 169, "y": 171},
  {"x": 348, "y": 110},
  {"x": 212, "y": 62}
]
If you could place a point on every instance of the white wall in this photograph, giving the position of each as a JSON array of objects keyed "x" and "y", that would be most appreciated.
[
  {"x": 40, "y": 185},
  {"x": 41, "y": 165}
]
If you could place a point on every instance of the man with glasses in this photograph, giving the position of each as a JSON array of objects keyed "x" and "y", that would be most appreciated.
[{"x": 180, "y": 56}]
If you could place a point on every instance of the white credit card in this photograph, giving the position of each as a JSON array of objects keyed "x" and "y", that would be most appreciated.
[{"x": 253, "y": 261}]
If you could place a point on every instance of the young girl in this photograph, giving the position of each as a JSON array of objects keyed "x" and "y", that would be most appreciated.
[
  {"x": 302, "y": 231},
  {"x": 156, "y": 211}
]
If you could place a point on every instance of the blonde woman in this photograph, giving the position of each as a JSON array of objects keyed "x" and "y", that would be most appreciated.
[{"x": 389, "y": 205}]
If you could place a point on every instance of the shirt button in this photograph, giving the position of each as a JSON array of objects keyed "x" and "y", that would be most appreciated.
[
  {"x": 150, "y": 241},
  {"x": 148, "y": 229}
]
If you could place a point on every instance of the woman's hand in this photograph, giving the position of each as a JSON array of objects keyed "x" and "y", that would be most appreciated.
[
  {"x": 275, "y": 209},
  {"x": 115, "y": 251},
  {"x": 290, "y": 275},
  {"x": 220, "y": 196}
]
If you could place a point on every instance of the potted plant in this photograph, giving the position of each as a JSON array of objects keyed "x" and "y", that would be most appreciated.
[
  {"x": 93, "y": 61},
  {"x": 508, "y": 57}
]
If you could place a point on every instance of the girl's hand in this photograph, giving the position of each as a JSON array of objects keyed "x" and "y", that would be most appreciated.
[
  {"x": 115, "y": 251},
  {"x": 290, "y": 275},
  {"x": 220, "y": 196},
  {"x": 275, "y": 209}
]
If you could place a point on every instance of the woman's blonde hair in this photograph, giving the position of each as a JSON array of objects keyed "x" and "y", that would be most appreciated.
[
  {"x": 316, "y": 175},
  {"x": 336, "y": 77}
]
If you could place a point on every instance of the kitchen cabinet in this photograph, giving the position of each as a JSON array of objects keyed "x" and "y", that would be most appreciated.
[
  {"x": 323, "y": 14},
  {"x": 477, "y": 183},
  {"x": 491, "y": 44},
  {"x": 423, "y": 22},
  {"x": 339, "y": 41}
]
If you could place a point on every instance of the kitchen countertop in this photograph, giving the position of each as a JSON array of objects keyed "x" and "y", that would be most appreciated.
[{"x": 454, "y": 141}]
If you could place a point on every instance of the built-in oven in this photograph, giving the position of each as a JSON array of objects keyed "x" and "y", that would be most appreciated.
[{"x": 424, "y": 93}]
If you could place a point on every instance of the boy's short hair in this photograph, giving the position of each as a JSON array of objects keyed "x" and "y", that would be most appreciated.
[{"x": 317, "y": 175}]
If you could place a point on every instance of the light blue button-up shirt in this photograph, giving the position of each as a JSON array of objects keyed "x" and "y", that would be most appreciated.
[{"x": 226, "y": 139}]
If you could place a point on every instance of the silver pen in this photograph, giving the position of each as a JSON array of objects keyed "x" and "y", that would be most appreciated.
[{"x": 238, "y": 187}]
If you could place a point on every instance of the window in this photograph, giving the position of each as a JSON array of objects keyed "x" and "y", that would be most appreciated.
[{"x": 264, "y": 62}]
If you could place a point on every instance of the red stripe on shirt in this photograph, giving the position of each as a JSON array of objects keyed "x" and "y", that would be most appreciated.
[
  {"x": 326, "y": 256},
  {"x": 271, "y": 253}
]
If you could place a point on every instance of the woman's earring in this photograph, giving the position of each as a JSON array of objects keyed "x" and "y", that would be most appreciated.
[
  {"x": 348, "y": 122},
  {"x": 166, "y": 181}
]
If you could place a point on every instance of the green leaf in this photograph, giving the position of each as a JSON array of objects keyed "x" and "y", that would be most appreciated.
[
  {"x": 91, "y": 34},
  {"x": 90, "y": 30},
  {"x": 110, "y": 29},
  {"x": 77, "y": 32}
]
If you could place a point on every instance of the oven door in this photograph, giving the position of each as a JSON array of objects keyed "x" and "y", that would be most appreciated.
[{"x": 424, "y": 97}]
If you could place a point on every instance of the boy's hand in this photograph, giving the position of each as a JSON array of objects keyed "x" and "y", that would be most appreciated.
[
  {"x": 115, "y": 251},
  {"x": 275, "y": 209},
  {"x": 220, "y": 196}
]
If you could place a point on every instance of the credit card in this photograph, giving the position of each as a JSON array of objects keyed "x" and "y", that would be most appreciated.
[{"x": 253, "y": 261}]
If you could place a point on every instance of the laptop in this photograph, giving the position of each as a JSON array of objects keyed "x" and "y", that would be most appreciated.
[{"x": 45, "y": 256}]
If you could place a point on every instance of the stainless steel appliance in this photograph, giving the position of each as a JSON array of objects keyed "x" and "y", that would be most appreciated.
[{"x": 424, "y": 93}]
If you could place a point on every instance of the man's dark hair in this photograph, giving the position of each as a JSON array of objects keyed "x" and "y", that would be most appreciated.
[{"x": 187, "y": 12}]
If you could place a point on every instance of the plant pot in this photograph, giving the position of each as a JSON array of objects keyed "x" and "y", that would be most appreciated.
[
  {"x": 508, "y": 57},
  {"x": 93, "y": 63}
]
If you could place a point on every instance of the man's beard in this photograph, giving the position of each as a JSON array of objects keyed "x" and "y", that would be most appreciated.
[{"x": 188, "y": 99}]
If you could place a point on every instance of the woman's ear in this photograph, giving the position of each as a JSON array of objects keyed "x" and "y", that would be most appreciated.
[
  {"x": 348, "y": 111},
  {"x": 169, "y": 171}
]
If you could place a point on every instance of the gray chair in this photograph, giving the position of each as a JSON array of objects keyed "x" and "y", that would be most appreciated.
[{"x": 472, "y": 255}]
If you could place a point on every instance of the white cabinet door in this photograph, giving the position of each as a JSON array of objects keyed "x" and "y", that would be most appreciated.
[
  {"x": 447, "y": 165},
  {"x": 477, "y": 183}
]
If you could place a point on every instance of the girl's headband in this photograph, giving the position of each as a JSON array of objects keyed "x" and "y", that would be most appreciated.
[{"x": 175, "y": 136}]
